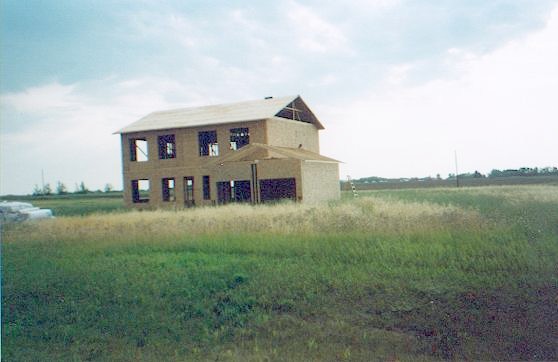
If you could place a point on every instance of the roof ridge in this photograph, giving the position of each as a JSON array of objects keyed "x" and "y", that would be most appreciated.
[{"x": 222, "y": 104}]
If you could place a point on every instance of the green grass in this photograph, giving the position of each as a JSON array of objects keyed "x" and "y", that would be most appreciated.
[
  {"x": 81, "y": 206},
  {"x": 467, "y": 182},
  {"x": 533, "y": 214},
  {"x": 436, "y": 286},
  {"x": 75, "y": 204}
]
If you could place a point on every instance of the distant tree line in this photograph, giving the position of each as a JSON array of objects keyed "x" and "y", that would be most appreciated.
[
  {"x": 61, "y": 189},
  {"x": 523, "y": 171}
]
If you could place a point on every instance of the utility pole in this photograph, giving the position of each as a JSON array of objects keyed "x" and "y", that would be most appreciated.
[
  {"x": 456, "y": 171},
  {"x": 42, "y": 179}
]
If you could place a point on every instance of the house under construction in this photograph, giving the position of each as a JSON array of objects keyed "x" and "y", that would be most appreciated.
[{"x": 256, "y": 151}]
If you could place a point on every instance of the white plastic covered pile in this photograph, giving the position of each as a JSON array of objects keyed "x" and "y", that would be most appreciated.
[{"x": 15, "y": 211}]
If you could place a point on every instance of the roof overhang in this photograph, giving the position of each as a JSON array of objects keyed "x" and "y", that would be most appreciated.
[{"x": 259, "y": 152}]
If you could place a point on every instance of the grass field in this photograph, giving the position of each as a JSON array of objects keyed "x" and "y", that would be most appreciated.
[
  {"x": 401, "y": 275},
  {"x": 463, "y": 182},
  {"x": 75, "y": 204}
]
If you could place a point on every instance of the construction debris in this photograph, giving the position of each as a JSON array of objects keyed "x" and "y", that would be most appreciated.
[{"x": 15, "y": 211}]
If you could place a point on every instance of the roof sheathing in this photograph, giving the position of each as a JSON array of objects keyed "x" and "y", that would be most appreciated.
[
  {"x": 214, "y": 115},
  {"x": 245, "y": 154}
]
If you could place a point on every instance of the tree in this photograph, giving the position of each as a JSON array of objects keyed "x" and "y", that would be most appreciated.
[
  {"x": 495, "y": 173},
  {"x": 108, "y": 188},
  {"x": 47, "y": 190},
  {"x": 37, "y": 191},
  {"x": 61, "y": 188},
  {"x": 81, "y": 188}
]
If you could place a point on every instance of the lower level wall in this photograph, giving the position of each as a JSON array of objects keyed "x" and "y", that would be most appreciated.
[
  {"x": 314, "y": 181},
  {"x": 238, "y": 171},
  {"x": 320, "y": 181},
  {"x": 179, "y": 174}
]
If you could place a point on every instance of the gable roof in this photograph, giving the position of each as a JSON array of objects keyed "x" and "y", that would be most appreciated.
[
  {"x": 226, "y": 113},
  {"x": 255, "y": 151}
]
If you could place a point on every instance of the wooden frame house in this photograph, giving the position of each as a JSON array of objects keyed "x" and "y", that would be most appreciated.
[{"x": 255, "y": 151}]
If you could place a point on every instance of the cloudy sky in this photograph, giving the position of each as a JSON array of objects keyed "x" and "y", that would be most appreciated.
[{"x": 399, "y": 84}]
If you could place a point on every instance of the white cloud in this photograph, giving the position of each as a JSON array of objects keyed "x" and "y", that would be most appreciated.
[
  {"x": 499, "y": 112},
  {"x": 71, "y": 136},
  {"x": 165, "y": 24},
  {"x": 39, "y": 99},
  {"x": 376, "y": 4},
  {"x": 314, "y": 33},
  {"x": 184, "y": 31},
  {"x": 242, "y": 18},
  {"x": 397, "y": 74}
]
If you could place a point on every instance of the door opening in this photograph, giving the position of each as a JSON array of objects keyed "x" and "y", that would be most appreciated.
[
  {"x": 189, "y": 191},
  {"x": 234, "y": 191}
]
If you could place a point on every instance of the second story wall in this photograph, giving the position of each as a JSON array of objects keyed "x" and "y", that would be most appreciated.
[
  {"x": 288, "y": 133},
  {"x": 185, "y": 150}
]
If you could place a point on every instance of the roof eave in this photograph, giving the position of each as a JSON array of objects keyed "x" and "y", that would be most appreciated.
[{"x": 163, "y": 128}]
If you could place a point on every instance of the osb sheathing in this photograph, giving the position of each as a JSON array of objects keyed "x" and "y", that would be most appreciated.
[
  {"x": 188, "y": 163},
  {"x": 288, "y": 133},
  {"x": 266, "y": 169},
  {"x": 186, "y": 145},
  {"x": 320, "y": 181}
]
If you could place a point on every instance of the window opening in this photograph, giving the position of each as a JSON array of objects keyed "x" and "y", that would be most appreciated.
[
  {"x": 214, "y": 149},
  {"x": 167, "y": 147},
  {"x": 138, "y": 150},
  {"x": 224, "y": 192},
  {"x": 189, "y": 191},
  {"x": 239, "y": 138},
  {"x": 206, "y": 188},
  {"x": 168, "y": 189},
  {"x": 208, "y": 143},
  {"x": 140, "y": 191}
]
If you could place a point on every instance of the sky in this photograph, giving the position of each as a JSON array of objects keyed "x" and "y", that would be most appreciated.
[{"x": 400, "y": 85}]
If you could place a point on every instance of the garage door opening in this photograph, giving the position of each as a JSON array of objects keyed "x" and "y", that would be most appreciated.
[{"x": 277, "y": 189}]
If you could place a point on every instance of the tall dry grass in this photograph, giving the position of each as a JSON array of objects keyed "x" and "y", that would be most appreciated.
[{"x": 365, "y": 215}]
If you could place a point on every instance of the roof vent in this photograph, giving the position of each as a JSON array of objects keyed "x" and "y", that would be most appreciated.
[{"x": 268, "y": 97}]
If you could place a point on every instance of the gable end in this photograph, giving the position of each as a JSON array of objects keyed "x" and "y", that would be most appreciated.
[{"x": 297, "y": 110}]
